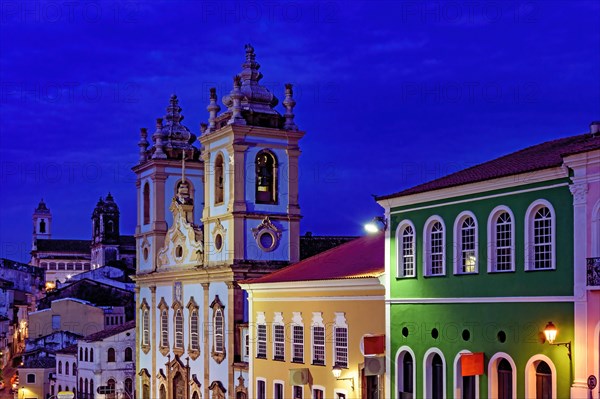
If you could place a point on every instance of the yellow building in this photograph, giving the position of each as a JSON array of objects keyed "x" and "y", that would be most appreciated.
[
  {"x": 66, "y": 314},
  {"x": 34, "y": 378},
  {"x": 308, "y": 321}
]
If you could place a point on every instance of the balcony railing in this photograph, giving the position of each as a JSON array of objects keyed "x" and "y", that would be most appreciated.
[{"x": 593, "y": 272}]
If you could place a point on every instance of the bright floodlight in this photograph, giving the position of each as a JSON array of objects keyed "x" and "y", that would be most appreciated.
[
  {"x": 371, "y": 227},
  {"x": 376, "y": 225}
]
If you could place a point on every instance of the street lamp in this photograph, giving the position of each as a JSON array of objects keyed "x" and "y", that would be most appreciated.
[
  {"x": 376, "y": 225},
  {"x": 550, "y": 333},
  {"x": 337, "y": 371}
]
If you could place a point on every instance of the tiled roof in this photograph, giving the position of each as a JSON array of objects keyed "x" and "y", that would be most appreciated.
[
  {"x": 39, "y": 363},
  {"x": 54, "y": 245},
  {"x": 541, "y": 156},
  {"x": 363, "y": 257},
  {"x": 312, "y": 245},
  {"x": 69, "y": 349},
  {"x": 109, "y": 332}
]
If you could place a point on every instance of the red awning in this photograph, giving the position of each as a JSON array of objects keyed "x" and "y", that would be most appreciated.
[
  {"x": 373, "y": 345},
  {"x": 471, "y": 364}
]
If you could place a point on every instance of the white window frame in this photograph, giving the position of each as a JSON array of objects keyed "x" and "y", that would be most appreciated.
[
  {"x": 529, "y": 234},
  {"x": 317, "y": 321},
  {"x": 458, "y": 379},
  {"x": 427, "y": 246},
  {"x": 493, "y": 374},
  {"x": 317, "y": 387},
  {"x": 402, "y": 351},
  {"x": 264, "y": 380},
  {"x": 427, "y": 371},
  {"x": 301, "y": 390},
  {"x": 164, "y": 328},
  {"x": 216, "y": 335},
  {"x": 275, "y": 382},
  {"x": 296, "y": 322},
  {"x": 492, "y": 239},
  {"x": 400, "y": 249},
  {"x": 194, "y": 330},
  {"x": 458, "y": 242},
  {"x": 340, "y": 322},
  {"x": 178, "y": 329},
  {"x": 261, "y": 322},
  {"x": 277, "y": 324},
  {"x": 530, "y": 377},
  {"x": 245, "y": 345}
]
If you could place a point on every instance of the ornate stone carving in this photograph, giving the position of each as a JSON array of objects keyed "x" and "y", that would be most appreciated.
[
  {"x": 267, "y": 235},
  {"x": 219, "y": 232},
  {"x": 579, "y": 192}
]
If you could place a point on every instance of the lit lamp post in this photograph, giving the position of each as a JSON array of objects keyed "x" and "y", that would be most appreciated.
[
  {"x": 550, "y": 332},
  {"x": 376, "y": 225},
  {"x": 337, "y": 371}
]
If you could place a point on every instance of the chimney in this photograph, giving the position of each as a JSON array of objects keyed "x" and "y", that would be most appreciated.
[{"x": 595, "y": 128}]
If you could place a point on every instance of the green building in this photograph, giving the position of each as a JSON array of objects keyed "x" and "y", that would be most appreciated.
[{"x": 478, "y": 263}]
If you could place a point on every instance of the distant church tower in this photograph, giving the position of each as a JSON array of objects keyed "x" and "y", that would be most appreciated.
[
  {"x": 236, "y": 216},
  {"x": 105, "y": 232},
  {"x": 42, "y": 223}
]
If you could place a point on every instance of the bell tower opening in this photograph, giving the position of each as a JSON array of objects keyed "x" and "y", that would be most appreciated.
[{"x": 266, "y": 178}]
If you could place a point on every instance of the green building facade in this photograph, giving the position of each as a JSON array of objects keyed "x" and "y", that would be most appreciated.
[{"x": 478, "y": 263}]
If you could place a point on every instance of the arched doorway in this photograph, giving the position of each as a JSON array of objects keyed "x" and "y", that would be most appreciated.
[
  {"x": 178, "y": 387},
  {"x": 543, "y": 381}
]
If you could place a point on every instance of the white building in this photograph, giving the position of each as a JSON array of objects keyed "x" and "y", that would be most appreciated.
[
  {"x": 229, "y": 213},
  {"x": 65, "y": 377},
  {"x": 107, "y": 358}
]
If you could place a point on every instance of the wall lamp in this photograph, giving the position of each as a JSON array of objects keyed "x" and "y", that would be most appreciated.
[
  {"x": 337, "y": 371},
  {"x": 550, "y": 332},
  {"x": 376, "y": 225}
]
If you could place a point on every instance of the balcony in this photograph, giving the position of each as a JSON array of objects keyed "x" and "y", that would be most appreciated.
[{"x": 593, "y": 272}]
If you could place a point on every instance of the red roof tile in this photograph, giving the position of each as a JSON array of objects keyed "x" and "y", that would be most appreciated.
[
  {"x": 109, "y": 332},
  {"x": 363, "y": 257},
  {"x": 541, "y": 156}
]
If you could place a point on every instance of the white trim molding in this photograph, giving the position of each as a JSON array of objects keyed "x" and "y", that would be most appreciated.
[
  {"x": 427, "y": 246},
  {"x": 427, "y": 371},
  {"x": 402, "y": 226},
  {"x": 529, "y": 234},
  {"x": 489, "y": 299},
  {"x": 530, "y": 378},
  {"x": 403, "y": 350},
  {"x": 492, "y": 239},
  {"x": 458, "y": 379},
  {"x": 458, "y": 242},
  {"x": 492, "y": 372}
]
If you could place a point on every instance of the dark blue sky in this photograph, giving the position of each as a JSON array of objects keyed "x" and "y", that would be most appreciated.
[{"x": 390, "y": 94}]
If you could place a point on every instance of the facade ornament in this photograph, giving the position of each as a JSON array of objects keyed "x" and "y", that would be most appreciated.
[
  {"x": 157, "y": 139},
  {"x": 218, "y": 235},
  {"x": 267, "y": 235},
  {"x": 213, "y": 109},
  {"x": 143, "y": 144},
  {"x": 289, "y": 104},
  {"x": 236, "y": 98},
  {"x": 579, "y": 192}
]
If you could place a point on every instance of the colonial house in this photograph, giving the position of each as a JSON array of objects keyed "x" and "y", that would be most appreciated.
[
  {"x": 65, "y": 377},
  {"x": 486, "y": 290},
  {"x": 315, "y": 325}
]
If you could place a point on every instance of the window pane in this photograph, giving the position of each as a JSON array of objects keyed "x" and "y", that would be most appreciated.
[{"x": 408, "y": 253}]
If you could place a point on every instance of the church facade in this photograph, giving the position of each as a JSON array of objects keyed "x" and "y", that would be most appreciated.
[
  {"x": 64, "y": 258},
  {"x": 210, "y": 216}
]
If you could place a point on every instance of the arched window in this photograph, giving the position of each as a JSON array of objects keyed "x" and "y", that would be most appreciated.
[
  {"x": 162, "y": 393},
  {"x": 86, "y": 354},
  {"x": 219, "y": 327},
  {"x": 146, "y": 204},
  {"x": 405, "y": 369},
  {"x": 91, "y": 354},
  {"x": 505, "y": 378},
  {"x": 146, "y": 327},
  {"x": 219, "y": 179},
  {"x": 42, "y": 226},
  {"x": 59, "y": 367},
  {"x": 111, "y": 384},
  {"x": 67, "y": 370},
  {"x": 87, "y": 387},
  {"x": 266, "y": 178},
  {"x": 59, "y": 388},
  {"x": 465, "y": 233},
  {"x": 81, "y": 354},
  {"x": 110, "y": 226},
  {"x": 164, "y": 328},
  {"x": 194, "y": 331},
  {"x": 435, "y": 249},
  {"x": 128, "y": 354},
  {"x": 501, "y": 240},
  {"x": 465, "y": 386},
  {"x": 405, "y": 239},
  {"x": 91, "y": 390},
  {"x": 179, "y": 329},
  {"x": 74, "y": 368},
  {"x": 539, "y": 236},
  {"x": 128, "y": 387},
  {"x": 111, "y": 355},
  {"x": 437, "y": 377},
  {"x": 80, "y": 385}
]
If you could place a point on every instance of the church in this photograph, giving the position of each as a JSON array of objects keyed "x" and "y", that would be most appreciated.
[
  {"x": 209, "y": 216},
  {"x": 64, "y": 258}
]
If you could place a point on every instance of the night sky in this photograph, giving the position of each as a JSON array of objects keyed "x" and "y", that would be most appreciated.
[{"x": 390, "y": 94}]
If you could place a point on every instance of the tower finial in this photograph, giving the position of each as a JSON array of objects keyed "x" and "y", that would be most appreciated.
[
  {"x": 157, "y": 137},
  {"x": 236, "y": 107},
  {"x": 213, "y": 108},
  {"x": 289, "y": 104},
  {"x": 143, "y": 144}
]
